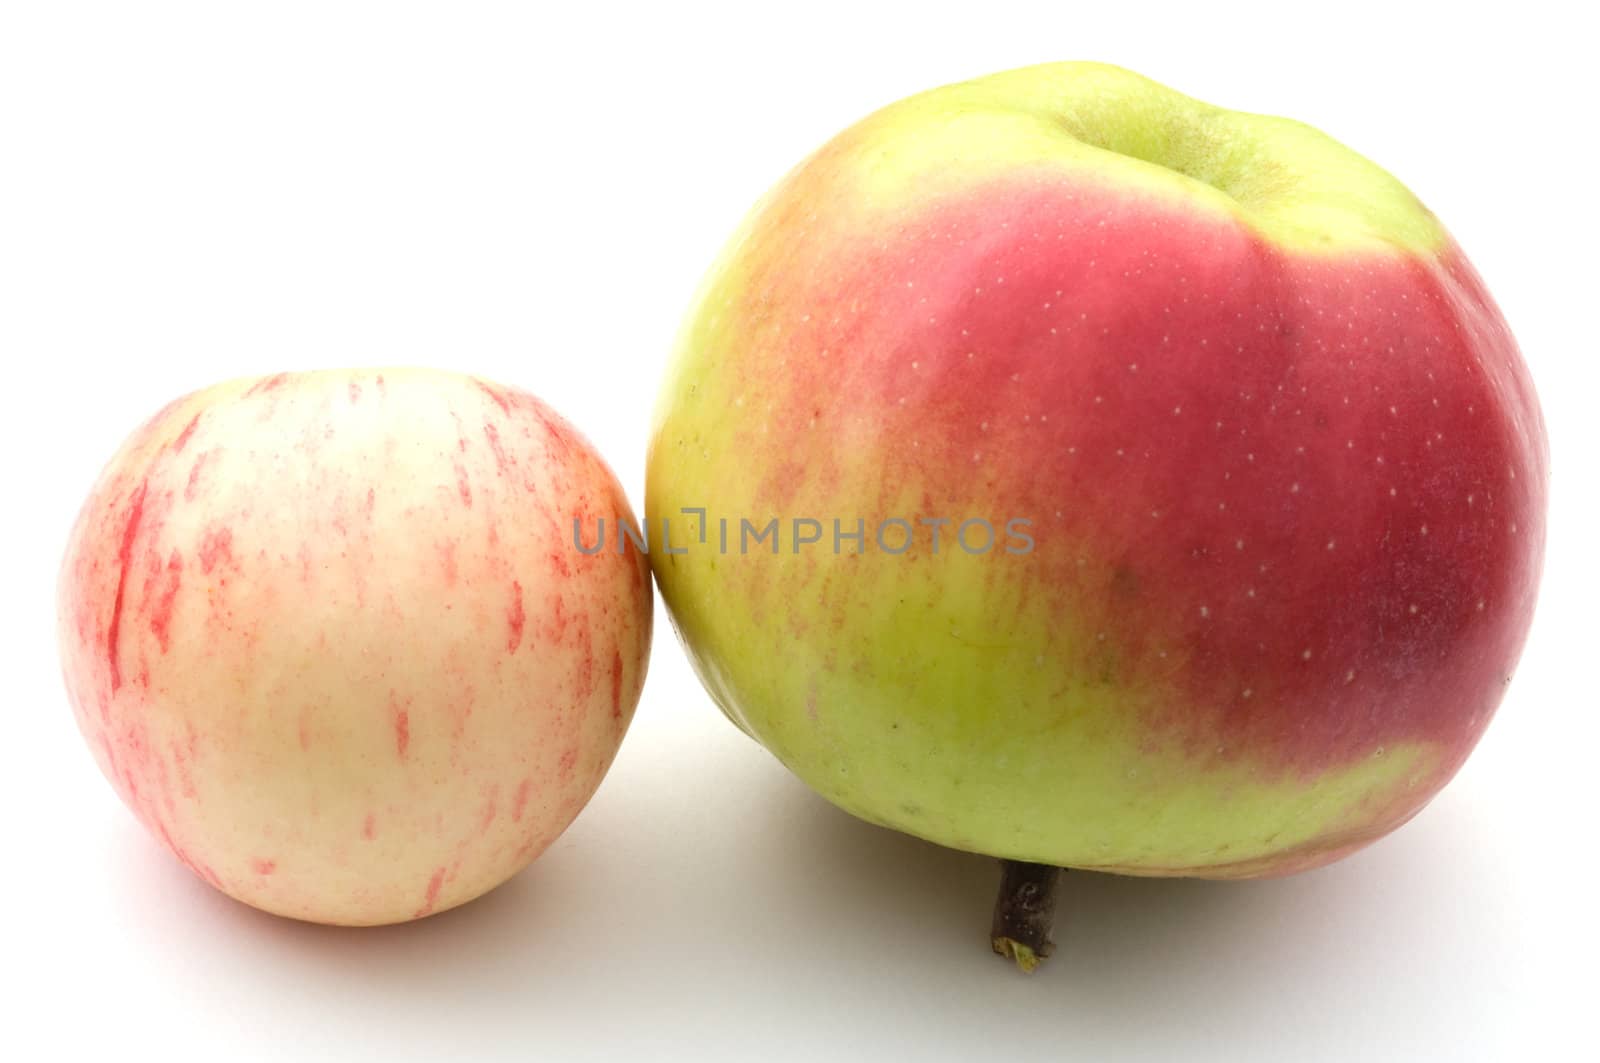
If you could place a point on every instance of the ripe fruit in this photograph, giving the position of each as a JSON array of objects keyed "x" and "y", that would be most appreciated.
[
  {"x": 1282, "y": 468},
  {"x": 327, "y": 636}
]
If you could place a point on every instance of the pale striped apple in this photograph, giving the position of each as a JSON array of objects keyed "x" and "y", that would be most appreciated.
[{"x": 328, "y": 637}]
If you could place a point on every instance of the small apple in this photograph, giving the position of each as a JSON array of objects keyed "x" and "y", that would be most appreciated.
[
  {"x": 1202, "y": 485},
  {"x": 327, "y": 636}
]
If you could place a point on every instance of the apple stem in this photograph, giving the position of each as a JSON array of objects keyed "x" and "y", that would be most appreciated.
[{"x": 1024, "y": 912}]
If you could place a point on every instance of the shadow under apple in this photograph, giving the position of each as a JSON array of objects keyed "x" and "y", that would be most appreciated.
[
  {"x": 766, "y": 916},
  {"x": 1173, "y": 962}
]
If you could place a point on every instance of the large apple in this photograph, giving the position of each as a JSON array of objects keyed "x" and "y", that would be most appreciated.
[
  {"x": 327, "y": 636},
  {"x": 1273, "y": 470}
]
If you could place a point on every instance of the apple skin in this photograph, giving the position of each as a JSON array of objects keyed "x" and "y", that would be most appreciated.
[
  {"x": 327, "y": 636},
  {"x": 1284, "y": 467}
]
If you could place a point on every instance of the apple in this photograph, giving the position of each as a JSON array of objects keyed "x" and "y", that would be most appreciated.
[
  {"x": 327, "y": 636},
  {"x": 1180, "y": 488}
]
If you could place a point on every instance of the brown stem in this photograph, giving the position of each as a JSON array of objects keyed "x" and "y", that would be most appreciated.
[{"x": 1024, "y": 912}]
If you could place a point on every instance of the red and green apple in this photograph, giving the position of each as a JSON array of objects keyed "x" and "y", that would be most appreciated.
[{"x": 1281, "y": 469}]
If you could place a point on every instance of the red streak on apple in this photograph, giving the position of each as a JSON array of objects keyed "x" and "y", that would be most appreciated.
[
  {"x": 447, "y": 562},
  {"x": 616, "y": 685},
  {"x": 491, "y": 808},
  {"x": 431, "y": 895},
  {"x": 183, "y": 436},
  {"x": 502, "y": 460},
  {"x": 162, "y": 602},
  {"x": 516, "y": 618},
  {"x": 499, "y": 396},
  {"x": 402, "y": 731},
  {"x": 130, "y": 530},
  {"x": 216, "y": 548},
  {"x": 519, "y": 801},
  {"x": 270, "y": 383},
  {"x": 193, "y": 483}
]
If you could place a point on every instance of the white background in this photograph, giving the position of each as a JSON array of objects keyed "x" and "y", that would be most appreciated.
[{"x": 194, "y": 192}]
